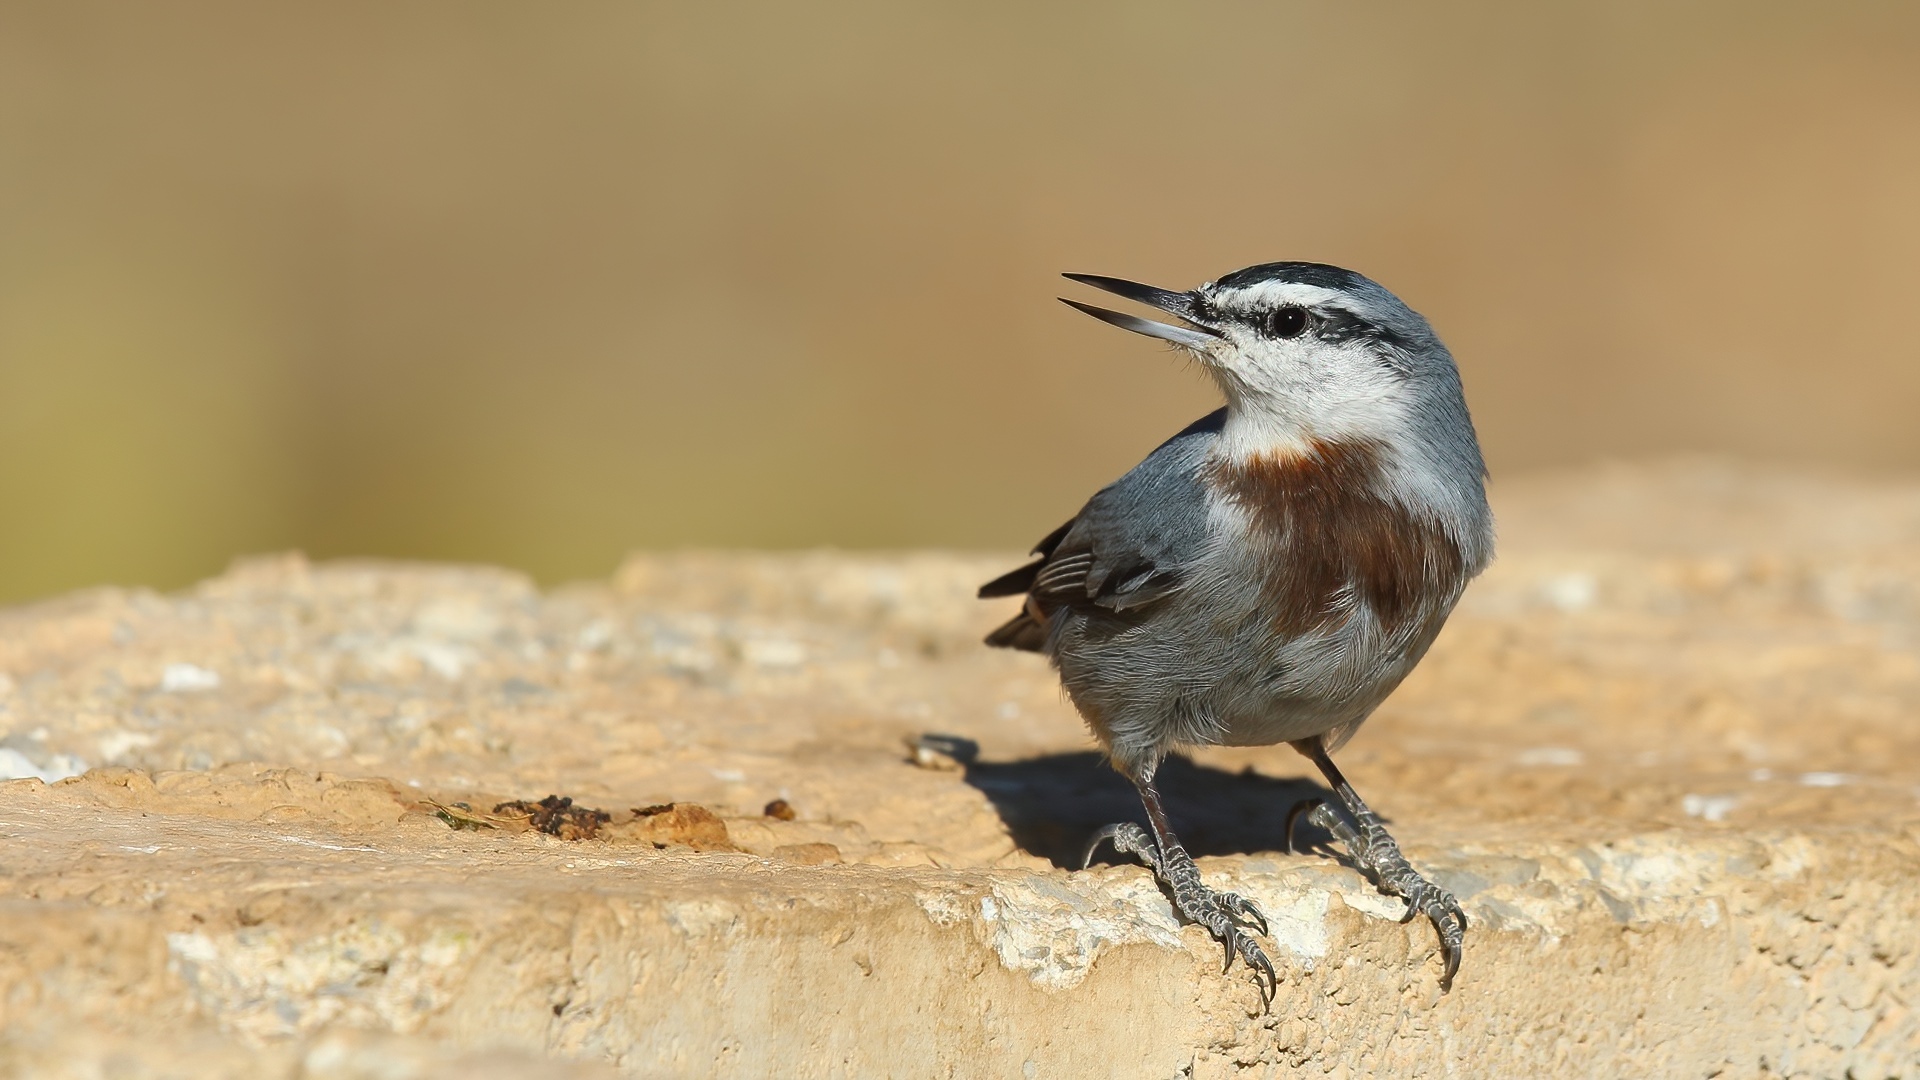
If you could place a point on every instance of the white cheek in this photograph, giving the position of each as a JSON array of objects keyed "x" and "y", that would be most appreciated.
[{"x": 1289, "y": 395}]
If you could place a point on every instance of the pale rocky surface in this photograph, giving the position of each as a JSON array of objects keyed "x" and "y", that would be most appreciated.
[{"x": 1667, "y": 754}]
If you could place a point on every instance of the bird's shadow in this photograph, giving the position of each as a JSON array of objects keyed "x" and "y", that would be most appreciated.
[{"x": 1053, "y": 805}]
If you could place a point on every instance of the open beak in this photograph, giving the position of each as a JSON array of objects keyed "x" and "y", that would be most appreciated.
[{"x": 1196, "y": 335}]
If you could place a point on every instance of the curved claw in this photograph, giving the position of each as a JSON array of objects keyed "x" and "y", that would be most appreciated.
[
  {"x": 1449, "y": 921},
  {"x": 1105, "y": 834},
  {"x": 1270, "y": 980},
  {"x": 1304, "y": 806},
  {"x": 1265, "y": 977},
  {"x": 1249, "y": 910}
]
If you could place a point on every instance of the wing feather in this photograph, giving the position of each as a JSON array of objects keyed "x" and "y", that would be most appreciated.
[{"x": 1127, "y": 550}]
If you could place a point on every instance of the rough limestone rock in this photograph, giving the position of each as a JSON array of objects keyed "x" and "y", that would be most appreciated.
[{"x": 380, "y": 820}]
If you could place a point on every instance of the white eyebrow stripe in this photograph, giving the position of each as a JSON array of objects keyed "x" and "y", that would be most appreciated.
[{"x": 1274, "y": 293}]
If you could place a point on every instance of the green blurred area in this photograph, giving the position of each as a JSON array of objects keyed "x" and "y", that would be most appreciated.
[{"x": 539, "y": 284}]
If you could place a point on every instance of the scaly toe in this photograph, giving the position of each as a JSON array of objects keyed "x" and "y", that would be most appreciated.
[{"x": 1451, "y": 922}]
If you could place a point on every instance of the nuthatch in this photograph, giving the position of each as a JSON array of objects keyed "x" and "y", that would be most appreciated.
[{"x": 1271, "y": 573}]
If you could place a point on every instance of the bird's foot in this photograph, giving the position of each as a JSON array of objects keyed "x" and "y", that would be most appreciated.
[
  {"x": 1227, "y": 916},
  {"x": 1379, "y": 854}
]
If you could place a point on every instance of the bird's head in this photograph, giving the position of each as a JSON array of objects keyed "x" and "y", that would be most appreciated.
[{"x": 1306, "y": 353}]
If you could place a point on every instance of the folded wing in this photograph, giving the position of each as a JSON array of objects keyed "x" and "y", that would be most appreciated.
[{"x": 1128, "y": 549}]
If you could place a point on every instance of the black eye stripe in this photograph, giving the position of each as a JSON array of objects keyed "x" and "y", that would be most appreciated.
[
  {"x": 1330, "y": 323},
  {"x": 1335, "y": 325}
]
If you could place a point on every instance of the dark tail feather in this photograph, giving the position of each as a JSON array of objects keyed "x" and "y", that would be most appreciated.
[
  {"x": 1014, "y": 582},
  {"x": 1022, "y": 632}
]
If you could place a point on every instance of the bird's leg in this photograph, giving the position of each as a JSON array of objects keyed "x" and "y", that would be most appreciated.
[
  {"x": 1367, "y": 842},
  {"x": 1225, "y": 915}
]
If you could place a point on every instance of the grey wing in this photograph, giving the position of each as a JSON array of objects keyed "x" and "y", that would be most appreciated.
[{"x": 1126, "y": 550}]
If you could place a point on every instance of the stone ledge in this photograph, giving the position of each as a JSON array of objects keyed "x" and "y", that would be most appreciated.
[{"x": 1673, "y": 780}]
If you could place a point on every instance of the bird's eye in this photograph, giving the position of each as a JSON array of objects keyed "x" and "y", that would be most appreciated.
[{"x": 1287, "y": 322}]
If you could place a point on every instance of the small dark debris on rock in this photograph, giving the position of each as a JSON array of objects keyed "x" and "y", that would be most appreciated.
[
  {"x": 780, "y": 809},
  {"x": 556, "y": 815},
  {"x": 663, "y": 825}
]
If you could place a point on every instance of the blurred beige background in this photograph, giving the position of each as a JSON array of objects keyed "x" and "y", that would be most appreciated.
[{"x": 539, "y": 283}]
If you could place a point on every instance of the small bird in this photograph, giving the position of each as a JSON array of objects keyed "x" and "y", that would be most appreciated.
[{"x": 1272, "y": 572}]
